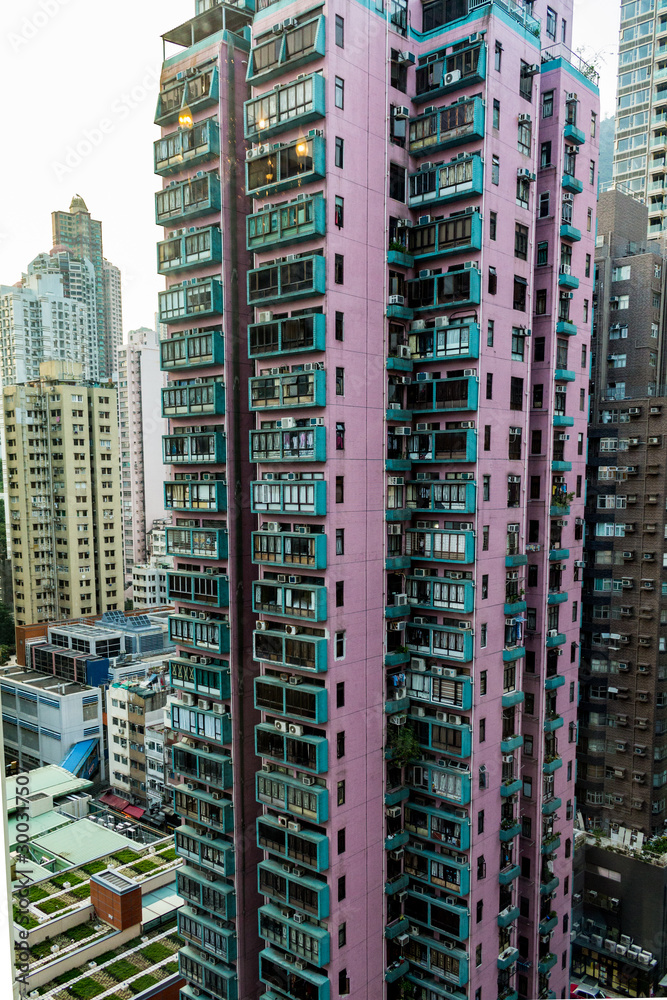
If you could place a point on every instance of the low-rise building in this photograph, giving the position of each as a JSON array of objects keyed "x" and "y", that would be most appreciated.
[
  {"x": 149, "y": 586},
  {"x": 131, "y": 707}
]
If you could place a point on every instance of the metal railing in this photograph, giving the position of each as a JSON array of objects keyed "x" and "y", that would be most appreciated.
[
  {"x": 561, "y": 51},
  {"x": 514, "y": 9}
]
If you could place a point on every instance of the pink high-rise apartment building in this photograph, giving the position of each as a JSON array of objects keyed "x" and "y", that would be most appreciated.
[{"x": 378, "y": 390}]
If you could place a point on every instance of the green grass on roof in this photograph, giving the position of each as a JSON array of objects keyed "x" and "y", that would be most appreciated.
[
  {"x": 52, "y": 905},
  {"x": 142, "y": 983},
  {"x": 81, "y": 891},
  {"x": 72, "y": 877},
  {"x": 93, "y": 867},
  {"x": 142, "y": 867},
  {"x": 122, "y": 969},
  {"x": 81, "y": 932},
  {"x": 125, "y": 856},
  {"x": 156, "y": 951},
  {"x": 85, "y": 989}
]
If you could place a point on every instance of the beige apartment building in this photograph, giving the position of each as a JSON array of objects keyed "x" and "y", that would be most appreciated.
[{"x": 63, "y": 503}]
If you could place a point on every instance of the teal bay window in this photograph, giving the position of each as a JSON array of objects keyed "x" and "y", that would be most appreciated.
[
  {"x": 290, "y": 105},
  {"x": 298, "y": 388},
  {"x": 194, "y": 762},
  {"x": 441, "y": 781},
  {"x": 198, "y": 91},
  {"x": 452, "y": 739},
  {"x": 188, "y": 199},
  {"x": 301, "y": 892},
  {"x": 198, "y": 588},
  {"x": 448, "y": 126},
  {"x": 434, "y": 395},
  {"x": 287, "y": 51},
  {"x": 203, "y": 298},
  {"x": 290, "y": 335},
  {"x": 211, "y": 679},
  {"x": 302, "y": 601},
  {"x": 291, "y": 549},
  {"x": 298, "y": 701},
  {"x": 304, "y": 652},
  {"x": 441, "y": 870},
  {"x": 189, "y": 495},
  {"x": 194, "y": 398},
  {"x": 439, "y": 594},
  {"x": 192, "y": 349},
  {"x": 431, "y": 495},
  {"x": 289, "y": 497},
  {"x": 276, "y": 970},
  {"x": 299, "y": 220},
  {"x": 433, "y": 340},
  {"x": 449, "y": 965},
  {"x": 190, "y": 250},
  {"x": 291, "y": 795},
  {"x": 308, "y": 941},
  {"x": 187, "y": 147},
  {"x": 433, "y": 185},
  {"x": 197, "y": 886},
  {"x": 207, "y": 634},
  {"x": 301, "y": 443},
  {"x": 194, "y": 449},
  {"x": 468, "y": 65},
  {"x": 443, "y": 446},
  {"x": 297, "y": 163},
  {"x": 217, "y": 980},
  {"x": 203, "y": 724},
  {"x": 450, "y": 643},
  {"x": 291, "y": 280},
  {"x": 207, "y": 808},
  {"x": 299, "y": 844},
  {"x": 207, "y": 934},
  {"x": 442, "y": 692},
  {"x": 456, "y": 234},
  {"x": 443, "y": 546},
  {"x": 204, "y": 543},
  {"x": 460, "y": 287},
  {"x": 437, "y": 824},
  {"x": 438, "y": 915}
]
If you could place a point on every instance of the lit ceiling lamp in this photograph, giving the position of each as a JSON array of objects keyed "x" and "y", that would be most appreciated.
[{"x": 185, "y": 117}]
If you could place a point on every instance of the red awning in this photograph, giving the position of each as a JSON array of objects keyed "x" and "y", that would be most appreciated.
[
  {"x": 135, "y": 811},
  {"x": 114, "y": 801}
]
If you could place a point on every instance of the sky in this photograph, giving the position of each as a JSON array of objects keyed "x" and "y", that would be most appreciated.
[{"x": 86, "y": 73}]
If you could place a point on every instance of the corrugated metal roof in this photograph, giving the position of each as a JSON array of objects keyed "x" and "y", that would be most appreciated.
[
  {"x": 52, "y": 779},
  {"x": 82, "y": 841}
]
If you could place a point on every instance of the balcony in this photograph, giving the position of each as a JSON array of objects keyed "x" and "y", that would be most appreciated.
[
  {"x": 293, "y": 697},
  {"x": 556, "y": 555},
  {"x": 303, "y": 939},
  {"x": 289, "y": 496},
  {"x": 507, "y": 875},
  {"x": 574, "y": 135},
  {"x": 396, "y": 928},
  {"x": 194, "y": 449},
  {"x": 555, "y": 640},
  {"x": 203, "y": 543},
  {"x": 558, "y": 598},
  {"x": 512, "y": 562},
  {"x": 553, "y": 723},
  {"x": 509, "y": 788},
  {"x": 304, "y": 652},
  {"x": 294, "y": 335},
  {"x": 549, "y": 845},
  {"x": 292, "y": 390},
  {"x": 513, "y": 653},
  {"x": 199, "y": 763},
  {"x": 397, "y": 884},
  {"x": 566, "y": 327},
  {"x": 288, "y": 106},
  {"x": 298, "y": 844},
  {"x": 425, "y": 865},
  {"x": 181, "y": 201},
  {"x": 434, "y": 495},
  {"x": 198, "y": 588},
  {"x": 207, "y": 725},
  {"x": 549, "y": 886},
  {"x": 207, "y": 808},
  {"x": 190, "y": 301},
  {"x": 192, "y": 349},
  {"x": 445, "y": 127},
  {"x": 445, "y": 733},
  {"x": 435, "y": 395},
  {"x": 445, "y": 182},
  {"x": 214, "y": 682},
  {"x": 301, "y": 443},
  {"x": 514, "y": 607},
  {"x": 187, "y": 148},
  {"x": 453, "y": 289},
  {"x": 566, "y": 280},
  {"x": 432, "y": 545},
  {"x": 188, "y": 250},
  {"x": 508, "y": 833},
  {"x": 509, "y": 744},
  {"x": 461, "y": 68},
  {"x": 445, "y": 782},
  {"x": 211, "y": 635},
  {"x": 301, "y": 892},
  {"x": 442, "y": 446},
  {"x": 213, "y": 977},
  {"x": 508, "y": 916},
  {"x": 433, "y": 340},
  {"x": 549, "y": 807},
  {"x": 572, "y": 184},
  {"x": 441, "y": 594},
  {"x": 285, "y": 793},
  {"x": 290, "y": 548},
  {"x": 507, "y": 958},
  {"x": 399, "y": 258},
  {"x": 194, "y": 398},
  {"x": 453, "y": 968},
  {"x": 298, "y": 220},
  {"x": 292, "y": 599},
  {"x": 208, "y": 935},
  {"x": 551, "y": 683},
  {"x": 396, "y": 970},
  {"x": 195, "y": 496},
  {"x": 569, "y": 232},
  {"x": 212, "y": 852},
  {"x": 397, "y": 414},
  {"x": 546, "y": 963},
  {"x": 296, "y": 163},
  {"x": 275, "y": 970},
  {"x": 454, "y": 235},
  {"x": 396, "y": 840},
  {"x": 447, "y": 642},
  {"x": 198, "y": 91},
  {"x": 288, "y": 51},
  {"x": 512, "y": 698},
  {"x": 297, "y": 279}
]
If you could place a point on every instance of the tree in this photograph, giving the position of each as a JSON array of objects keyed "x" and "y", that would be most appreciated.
[{"x": 7, "y": 634}]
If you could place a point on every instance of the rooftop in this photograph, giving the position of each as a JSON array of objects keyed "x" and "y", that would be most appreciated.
[
  {"x": 81, "y": 841},
  {"x": 53, "y": 780},
  {"x": 45, "y": 682}
]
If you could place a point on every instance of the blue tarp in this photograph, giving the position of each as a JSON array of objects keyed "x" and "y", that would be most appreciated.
[{"x": 81, "y": 757}]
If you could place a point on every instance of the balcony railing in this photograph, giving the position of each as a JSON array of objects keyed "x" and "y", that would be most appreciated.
[
  {"x": 451, "y": 289},
  {"x": 198, "y": 397},
  {"x": 289, "y": 51},
  {"x": 290, "y": 105},
  {"x": 286, "y": 336},
  {"x": 446, "y": 126},
  {"x": 447, "y": 236},
  {"x": 291, "y": 390},
  {"x": 187, "y": 147},
  {"x": 190, "y": 250},
  {"x": 195, "y": 449},
  {"x": 302, "y": 651},
  {"x": 198, "y": 91},
  {"x": 187, "y": 301},
  {"x": 435, "y": 495},
  {"x": 205, "y": 543},
  {"x": 430, "y": 340},
  {"x": 291, "y": 599},
  {"x": 289, "y": 497},
  {"x": 192, "y": 349},
  {"x": 467, "y": 64},
  {"x": 270, "y": 170},
  {"x": 188, "y": 199},
  {"x": 289, "y": 280},
  {"x": 461, "y": 178},
  {"x": 295, "y": 444},
  {"x": 291, "y": 549},
  {"x": 302, "y": 219}
]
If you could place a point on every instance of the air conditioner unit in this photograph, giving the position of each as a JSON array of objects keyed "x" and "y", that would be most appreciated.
[
  {"x": 435, "y": 669},
  {"x": 295, "y": 730},
  {"x": 282, "y": 821},
  {"x": 524, "y": 119},
  {"x": 289, "y": 22},
  {"x": 262, "y": 626},
  {"x": 455, "y": 720},
  {"x": 400, "y": 112},
  {"x": 265, "y": 316},
  {"x": 419, "y": 712},
  {"x": 445, "y": 671},
  {"x": 418, "y": 664},
  {"x": 394, "y": 812},
  {"x": 292, "y": 630},
  {"x": 396, "y": 300},
  {"x": 299, "y": 918},
  {"x": 464, "y": 625},
  {"x": 452, "y": 77},
  {"x": 396, "y": 626},
  {"x": 440, "y": 321},
  {"x": 552, "y": 633},
  {"x": 406, "y": 57},
  {"x": 294, "y": 827},
  {"x": 267, "y": 768},
  {"x": 403, "y": 350},
  {"x": 571, "y": 96},
  {"x": 281, "y": 726},
  {"x": 525, "y": 173},
  {"x": 508, "y": 758}
]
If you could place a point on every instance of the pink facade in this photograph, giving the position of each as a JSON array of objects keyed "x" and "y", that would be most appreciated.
[{"x": 395, "y": 568}]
